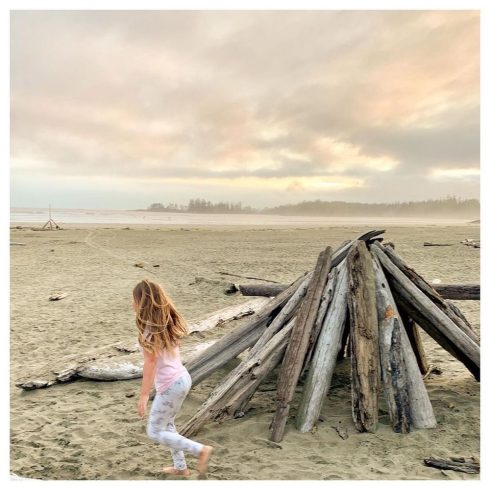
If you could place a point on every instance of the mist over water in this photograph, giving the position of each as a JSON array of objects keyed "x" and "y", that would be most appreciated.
[{"x": 104, "y": 216}]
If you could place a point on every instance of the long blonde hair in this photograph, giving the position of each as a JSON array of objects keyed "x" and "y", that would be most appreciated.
[{"x": 159, "y": 323}]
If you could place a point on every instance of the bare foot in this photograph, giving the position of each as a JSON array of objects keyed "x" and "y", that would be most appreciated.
[
  {"x": 202, "y": 464},
  {"x": 170, "y": 470}
]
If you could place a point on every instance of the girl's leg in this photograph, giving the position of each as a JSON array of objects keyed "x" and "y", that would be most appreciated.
[
  {"x": 177, "y": 455},
  {"x": 163, "y": 410}
]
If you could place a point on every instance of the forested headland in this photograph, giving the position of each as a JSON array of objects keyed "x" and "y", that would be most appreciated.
[{"x": 450, "y": 206}]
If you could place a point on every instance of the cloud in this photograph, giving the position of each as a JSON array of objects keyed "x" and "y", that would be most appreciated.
[{"x": 286, "y": 96}]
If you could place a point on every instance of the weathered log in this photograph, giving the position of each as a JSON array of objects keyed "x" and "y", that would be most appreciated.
[
  {"x": 394, "y": 374},
  {"x": 428, "y": 290},
  {"x": 325, "y": 301},
  {"x": 458, "y": 291},
  {"x": 421, "y": 412},
  {"x": 226, "y": 315},
  {"x": 325, "y": 353},
  {"x": 431, "y": 318},
  {"x": 344, "y": 249},
  {"x": 116, "y": 362},
  {"x": 365, "y": 368},
  {"x": 447, "y": 291},
  {"x": 413, "y": 332},
  {"x": 241, "y": 338},
  {"x": 261, "y": 289},
  {"x": 444, "y": 464},
  {"x": 239, "y": 383},
  {"x": 283, "y": 317},
  {"x": 296, "y": 350}
]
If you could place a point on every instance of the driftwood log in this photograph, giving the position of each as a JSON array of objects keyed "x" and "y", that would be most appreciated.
[
  {"x": 227, "y": 397},
  {"x": 233, "y": 343},
  {"x": 394, "y": 373},
  {"x": 421, "y": 412},
  {"x": 322, "y": 310},
  {"x": 429, "y": 316},
  {"x": 298, "y": 343},
  {"x": 413, "y": 332},
  {"x": 447, "y": 291},
  {"x": 445, "y": 306},
  {"x": 325, "y": 353},
  {"x": 118, "y": 362},
  {"x": 465, "y": 465},
  {"x": 365, "y": 370}
]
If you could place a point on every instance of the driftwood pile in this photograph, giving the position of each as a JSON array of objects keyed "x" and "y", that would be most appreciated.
[{"x": 361, "y": 300}]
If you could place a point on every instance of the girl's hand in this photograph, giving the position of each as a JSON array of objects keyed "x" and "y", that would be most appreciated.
[{"x": 142, "y": 403}]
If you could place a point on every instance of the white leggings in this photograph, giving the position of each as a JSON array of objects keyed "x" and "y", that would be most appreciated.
[{"x": 161, "y": 421}]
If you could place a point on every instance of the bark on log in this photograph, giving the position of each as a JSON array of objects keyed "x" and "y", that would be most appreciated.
[
  {"x": 447, "y": 291},
  {"x": 225, "y": 399},
  {"x": 116, "y": 362},
  {"x": 394, "y": 374},
  {"x": 421, "y": 412},
  {"x": 413, "y": 333},
  {"x": 428, "y": 290},
  {"x": 325, "y": 354},
  {"x": 426, "y": 314},
  {"x": 365, "y": 375},
  {"x": 296, "y": 350},
  {"x": 241, "y": 338}
]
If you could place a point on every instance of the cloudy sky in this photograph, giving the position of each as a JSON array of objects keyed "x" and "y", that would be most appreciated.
[{"x": 121, "y": 109}]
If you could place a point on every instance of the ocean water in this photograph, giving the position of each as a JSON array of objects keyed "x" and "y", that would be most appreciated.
[{"x": 107, "y": 216}]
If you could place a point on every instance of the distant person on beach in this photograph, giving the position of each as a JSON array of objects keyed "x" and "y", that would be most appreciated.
[{"x": 160, "y": 328}]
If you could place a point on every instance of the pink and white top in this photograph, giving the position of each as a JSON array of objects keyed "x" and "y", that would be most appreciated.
[{"x": 169, "y": 368}]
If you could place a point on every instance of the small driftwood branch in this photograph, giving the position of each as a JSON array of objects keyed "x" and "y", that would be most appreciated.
[
  {"x": 467, "y": 465},
  {"x": 430, "y": 244},
  {"x": 246, "y": 277}
]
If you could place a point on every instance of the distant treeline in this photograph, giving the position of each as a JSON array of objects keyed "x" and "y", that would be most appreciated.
[
  {"x": 450, "y": 206},
  {"x": 202, "y": 206}
]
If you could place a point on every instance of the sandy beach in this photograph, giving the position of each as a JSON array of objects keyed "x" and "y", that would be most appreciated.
[{"x": 91, "y": 430}]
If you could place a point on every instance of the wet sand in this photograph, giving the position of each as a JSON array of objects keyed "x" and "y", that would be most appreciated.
[{"x": 90, "y": 430}]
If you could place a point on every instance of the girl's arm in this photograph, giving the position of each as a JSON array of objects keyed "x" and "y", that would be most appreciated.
[{"x": 149, "y": 368}]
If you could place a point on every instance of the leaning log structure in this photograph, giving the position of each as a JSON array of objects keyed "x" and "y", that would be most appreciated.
[{"x": 361, "y": 301}]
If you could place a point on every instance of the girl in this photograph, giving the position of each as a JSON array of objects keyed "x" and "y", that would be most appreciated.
[{"x": 160, "y": 328}]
